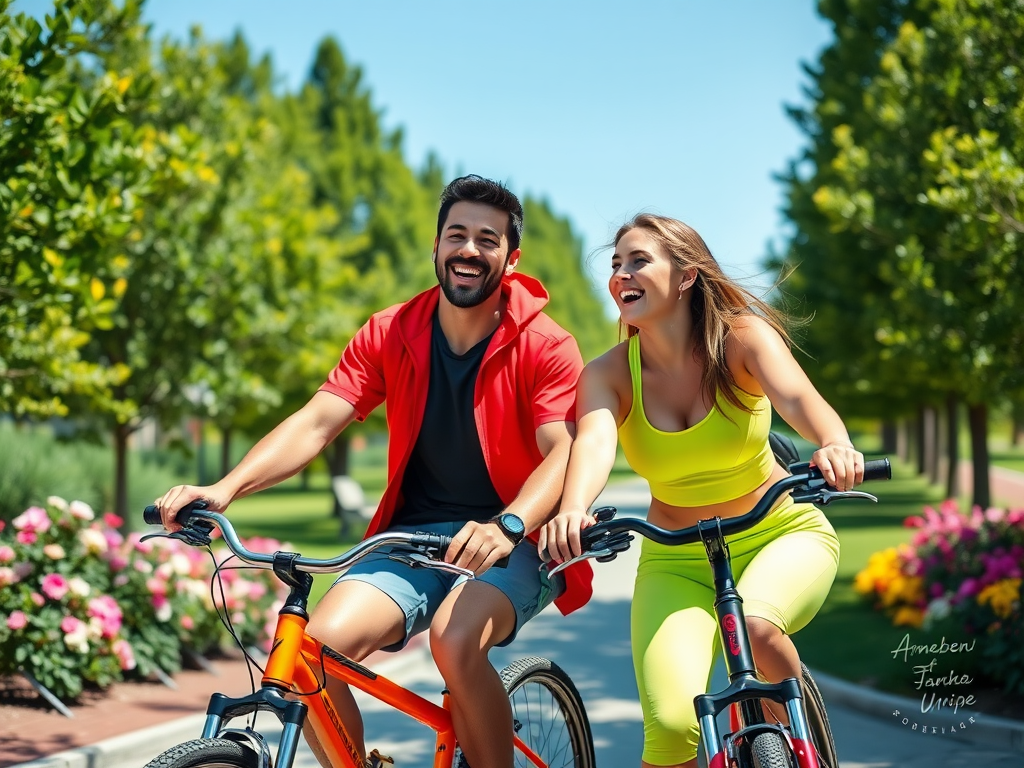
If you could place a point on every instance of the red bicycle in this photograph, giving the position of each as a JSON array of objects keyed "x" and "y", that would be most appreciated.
[{"x": 753, "y": 742}]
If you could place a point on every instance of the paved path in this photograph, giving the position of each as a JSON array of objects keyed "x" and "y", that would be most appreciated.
[
  {"x": 592, "y": 645},
  {"x": 1007, "y": 485}
]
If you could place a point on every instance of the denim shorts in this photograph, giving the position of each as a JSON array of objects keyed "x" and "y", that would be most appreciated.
[{"x": 419, "y": 592}]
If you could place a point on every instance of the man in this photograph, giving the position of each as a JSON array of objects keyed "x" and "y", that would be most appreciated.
[{"x": 480, "y": 392}]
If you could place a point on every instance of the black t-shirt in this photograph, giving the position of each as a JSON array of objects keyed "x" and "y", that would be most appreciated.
[{"x": 446, "y": 479}]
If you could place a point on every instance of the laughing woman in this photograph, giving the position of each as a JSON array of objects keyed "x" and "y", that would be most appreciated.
[{"x": 689, "y": 395}]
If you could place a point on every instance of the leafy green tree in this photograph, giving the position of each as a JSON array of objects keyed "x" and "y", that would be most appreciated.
[
  {"x": 70, "y": 181},
  {"x": 554, "y": 254},
  {"x": 908, "y": 218}
]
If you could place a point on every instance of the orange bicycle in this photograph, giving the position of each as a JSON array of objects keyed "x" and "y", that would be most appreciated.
[{"x": 549, "y": 720}]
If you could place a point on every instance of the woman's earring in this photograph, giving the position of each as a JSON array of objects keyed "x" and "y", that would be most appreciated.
[{"x": 680, "y": 292}]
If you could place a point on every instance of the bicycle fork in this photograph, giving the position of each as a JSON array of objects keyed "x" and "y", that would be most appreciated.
[{"x": 744, "y": 689}]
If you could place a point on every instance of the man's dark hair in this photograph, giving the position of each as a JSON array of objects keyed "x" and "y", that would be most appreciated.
[{"x": 476, "y": 189}]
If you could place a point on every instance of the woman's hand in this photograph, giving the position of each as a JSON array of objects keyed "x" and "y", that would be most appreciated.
[
  {"x": 559, "y": 539},
  {"x": 841, "y": 465}
]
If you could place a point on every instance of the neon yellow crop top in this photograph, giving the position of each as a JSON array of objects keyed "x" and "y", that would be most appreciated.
[{"x": 715, "y": 460}]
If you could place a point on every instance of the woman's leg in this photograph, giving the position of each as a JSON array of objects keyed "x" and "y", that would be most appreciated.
[
  {"x": 673, "y": 637},
  {"x": 783, "y": 585}
]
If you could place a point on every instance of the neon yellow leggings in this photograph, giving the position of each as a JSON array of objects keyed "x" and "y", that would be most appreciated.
[{"x": 784, "y": 567}]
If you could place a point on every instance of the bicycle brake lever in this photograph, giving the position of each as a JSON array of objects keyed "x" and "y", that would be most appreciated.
[
  {"x": 195, "y": 534},
  {"x": 825, "y": 496},
  {"x": 419, "y": 560}
]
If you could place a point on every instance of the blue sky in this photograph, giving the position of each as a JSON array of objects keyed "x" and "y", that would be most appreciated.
[{"x": 604, "y": 108}]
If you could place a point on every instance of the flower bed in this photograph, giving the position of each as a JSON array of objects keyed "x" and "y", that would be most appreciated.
[
  {"x": 960, "y": 573},
  {"x": 80, "y": 603}
]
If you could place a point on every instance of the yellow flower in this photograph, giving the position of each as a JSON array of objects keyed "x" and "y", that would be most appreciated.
[
  {"x": 908, "y": 617},
  {"x": 1003, "y": 596}
]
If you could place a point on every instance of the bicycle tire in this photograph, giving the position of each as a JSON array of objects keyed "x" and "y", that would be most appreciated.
[
  {"x": 817, "y": 720},
  {"x": 770, "y": 750},
  {"x": 548, "y": 714},
  {"x": 207, "y": 753}
]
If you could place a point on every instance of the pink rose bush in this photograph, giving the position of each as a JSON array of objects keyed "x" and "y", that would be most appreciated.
[
  {"x": 82, "y": 604},
  {"x": 961, "y": 572}
]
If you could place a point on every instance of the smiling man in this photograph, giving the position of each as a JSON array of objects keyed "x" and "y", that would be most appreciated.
[{"x": 480, "y": 391}]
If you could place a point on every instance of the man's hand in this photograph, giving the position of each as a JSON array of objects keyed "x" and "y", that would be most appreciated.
[
  {"x": 478, "y": 546},
  {"x": 561, "y": 536},
  {"x": 180, "y": 496}
]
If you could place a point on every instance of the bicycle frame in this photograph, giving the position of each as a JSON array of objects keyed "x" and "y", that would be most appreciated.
[
  {"x": 292, "y": 668},
  {"x": 744, "y": 691}
]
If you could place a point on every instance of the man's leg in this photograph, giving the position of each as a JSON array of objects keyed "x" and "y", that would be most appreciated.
[
  {"x": 474, "y": 618},
  {"x": 355, "y": 619}
]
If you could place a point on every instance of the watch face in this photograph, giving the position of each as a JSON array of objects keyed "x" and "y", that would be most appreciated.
[{"x": 513, "y": 523}]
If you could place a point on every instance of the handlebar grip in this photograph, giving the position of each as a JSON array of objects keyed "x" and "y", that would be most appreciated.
[
  {"x": 151, "y": 515},
  {"x": 435, "y": 544},
  {"x": 878, "y": 469}
]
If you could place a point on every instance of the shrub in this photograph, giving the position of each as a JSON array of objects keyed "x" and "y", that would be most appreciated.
[
  {"x": 81, "y": 604},
  {"x": 34, "y": 465},
  {"x": 960, "y": 572}
]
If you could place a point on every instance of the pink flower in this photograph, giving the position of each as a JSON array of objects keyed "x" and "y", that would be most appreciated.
[
  {"x": 117, "y": 561},
  {"x": 8, "y": 577},
  {"x": 55, "y": 586},
  {"x": 256, "y": 590},
  {"x": 69, "y": 625},
  {"x": 969, "y": 588},
  {"x": 54, "y": 551},
  {"x": 26, "y": 537},
  {"x": 187, "y": 622},
  {"x": 113, "y": 537},
  {"x": 120, "y": 580},
  {"x": 106, "y": 609},
  {"x": 111, "y": 520},
  {"x": 6, "y": 553},
  {"x": 994, "y": 514},
  {"x": 163, "y": 608},
  {"x": 157, "y": 586},
  {"x": 123, "y": 650},
  {"x": 17, "y": 620},
  {"x": 32, "y": 520},
  {"x": 145, "y": 547},
  {"x": 37, "y": 599}
]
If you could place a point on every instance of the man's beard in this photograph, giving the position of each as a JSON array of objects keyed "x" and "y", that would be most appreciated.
[{"x": 464, "y": 296}]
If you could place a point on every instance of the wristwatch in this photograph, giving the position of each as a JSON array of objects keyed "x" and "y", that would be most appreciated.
[{"x": 510, "y": 525}]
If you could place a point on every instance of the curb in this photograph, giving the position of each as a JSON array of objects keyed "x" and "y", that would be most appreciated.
[
  {"x": 986, "y": 730},
  {"x": 135, "y": 749}
]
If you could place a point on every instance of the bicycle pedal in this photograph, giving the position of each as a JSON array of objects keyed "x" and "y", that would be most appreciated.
[{"x": 376, "y": 760}]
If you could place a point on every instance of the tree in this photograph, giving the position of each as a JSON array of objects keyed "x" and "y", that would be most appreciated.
[
  {"x": 71, "y": 177},
  {"x": 899, "y": 211}
]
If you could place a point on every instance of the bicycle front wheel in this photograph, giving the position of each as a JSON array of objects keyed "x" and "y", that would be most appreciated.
[
  {"x": 769, "y": 750},
  {"x": 548, "y": 714},
  {"x": 817, "y": 720},
  {"x": 207, "y": 753}
]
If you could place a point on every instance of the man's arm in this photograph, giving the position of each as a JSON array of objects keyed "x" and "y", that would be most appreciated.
[
  {"x": 294, "y": 443},
  {"x": 479, "y": 545}
]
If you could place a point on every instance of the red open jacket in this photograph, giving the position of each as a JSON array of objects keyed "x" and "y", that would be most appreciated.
[{"x": 527, "y": 378}]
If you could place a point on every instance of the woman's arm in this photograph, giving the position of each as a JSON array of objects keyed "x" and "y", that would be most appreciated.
[
  {"x": 590, "y": 461},
  {"x": 766, "y": 357}
]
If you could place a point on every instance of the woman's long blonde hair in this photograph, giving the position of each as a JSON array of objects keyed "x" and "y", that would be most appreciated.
[{"x": 716, "y": 302}]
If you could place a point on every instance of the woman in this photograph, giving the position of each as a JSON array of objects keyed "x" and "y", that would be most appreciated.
[{"x": 689, "y": 395}]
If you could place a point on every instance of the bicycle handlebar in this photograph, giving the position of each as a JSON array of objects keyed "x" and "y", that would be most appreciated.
[
  {"x": 803, "y": 477},
  {"x": 434, "y": 545}
]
